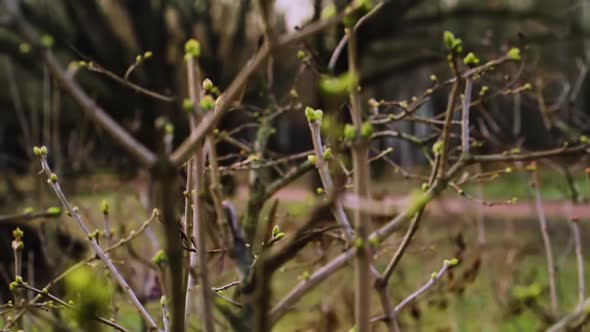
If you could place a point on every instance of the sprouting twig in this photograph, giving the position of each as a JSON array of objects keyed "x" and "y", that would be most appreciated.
[
  {"x": 227, "y": 286},
  {"x": 433, "y": 279},
  {"x": 123, "y": 81},
  {"x": 579, "y": 260},
  {"x": 17, "y": 248},
  {"x": 572, "y": 321},
  {"x": 164, "y": 313},
  {"x": 342, "y": 43},
  {"x": 546, "y": 242},
  {"x": 361, "y": 178},
  {"x": 52, "y": 180},
  {"x": 196, "y": 229},
  {"x": 326, "y": 178},
  {"x": 67, "y": 305}
]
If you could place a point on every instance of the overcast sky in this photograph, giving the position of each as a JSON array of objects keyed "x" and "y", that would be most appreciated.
[{"x": 296, "y": 11}]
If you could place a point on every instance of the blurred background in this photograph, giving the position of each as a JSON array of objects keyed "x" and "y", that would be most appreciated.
[{"x": 400, "y": 48}]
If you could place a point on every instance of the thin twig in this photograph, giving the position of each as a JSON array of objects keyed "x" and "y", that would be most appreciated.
[
  {"x": 326, "y": 178},
  {"x": 579, "y": 260},
  {"x": 546, "y": 242},
  {"x": 433, "y": 279},
  {"x": 52, "y": 179},
  {"x": 465, "y": 116}
]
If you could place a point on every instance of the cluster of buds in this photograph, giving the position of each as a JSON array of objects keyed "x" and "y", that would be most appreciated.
[
  {"x": 160, "y": 258},
  {"x": 47, "y": 41},
  {"x": 514, "y": 54},
  {"x": 471, "y": 60},
  {"x": 18, "y": 281},
  {"x": 104, "y": 207},
  {"x": 454, "y": 44},
  {"x": 17, "y": 239},
  {"x": 40, "y": 151},
  {"x": 142, "y": 57},
  {"x": 209, "y": 88},
  {"x": 365, "y": 132},
  {"x": 192, "y": 49},
  {"x": 313, "y": 115}
]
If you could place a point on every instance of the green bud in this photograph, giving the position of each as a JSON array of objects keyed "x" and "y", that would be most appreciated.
[
  {"x": 366, "y": 129},
  {"x": 163, "y": 301},
  {"x": 433, "y": 275},
  {"x": 327, "y": 154},
  {"x": 37, "y": 151},
  {"x": 527, "y": 87},
  {"x": 584, "y": 139},
  {"x": 527, "y": 293},
  {"x": 338, "y": 85},
  {"x": 275, "y": 230},
  {"x": 188, "y": 105},
  {"x": 484, "y": 89},
  {"x": 514, "y": 54},
  {"x": 313, "y": 115},
  {"x": 54, "y": 211},
  {"x": 349, "y": 132},
  {"x": 160, "y": 257},
  {"x": 471, "y": 60},
  {"x": 312, "y": 159},
  {"x": 24, "y": 48},
  {"x": 319, "y": 190},
  {"x": 508, "y": 170},
  {"x": 53, "y": 178},
  {"x": 147, "y": 55},
  {"x": 437, "y": 147},
  {"x": 207, "y": 103},
  {"x": 364, "y": 5},
  {"x": 448, "y": 38},
  {"x": 93, "y": 297},
  {"x": 374, "y": 242},
  {"x": 207, "y": 85},
  {"x": 433, "y": 78},
  {"x": 301, "y": 55},
  {"x": 169, "y": 128},
  {"x": 28, "y": 210},
  {"x": 17, "y": 233},
  {"x": 192, "y": 48},
  {"x": 47, "y": 41},
  {"x": 451, "y": 262},
  {"x": 104, "y": 206},
  {"x": 13, "y": 286},
  {"x": 44, "y": 150},
  {"x": 358, "y": 243},
  {"x": 452, "y": 43},
  {"x": 279, "y": 236},
  {"x": 304, "y": 275}
]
